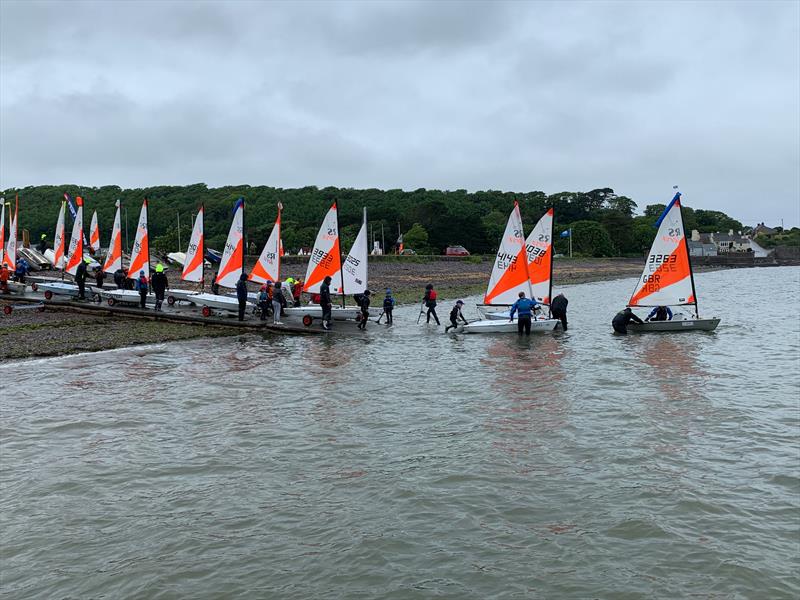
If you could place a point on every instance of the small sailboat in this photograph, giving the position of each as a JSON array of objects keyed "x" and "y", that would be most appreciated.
[
  {"x": 94, "y": 235},
  {"x": 268, "y": 266},
  {"x": 326, "y": 261},
  {"x": 193, "y": 264},
  {"x": 231, "y": 267},
  {"x": 68, "y": 261},
  {"x": 140, "y": 262},
  {"x": 113, "y": 260},
  {"x": 668, "y": 279},
  {"x": 509, "y": 277}
]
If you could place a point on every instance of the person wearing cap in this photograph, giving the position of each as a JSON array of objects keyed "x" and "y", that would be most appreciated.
[
  {"x": 525, "y": 307},
  {"x": 5, "y": 273},
  {"x": 364, "y": 304},
  {"x": 80, "y": 278},
  {"x": 42, "y": 245},
  {"x": 455, "y": 315},
  {"x": 142, "y": 286},
  {"x": 388, "y": 306},
  {"x": 160, "y": 285}
]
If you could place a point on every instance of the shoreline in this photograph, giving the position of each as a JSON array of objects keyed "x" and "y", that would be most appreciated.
[{"x": 57, "y": 331}]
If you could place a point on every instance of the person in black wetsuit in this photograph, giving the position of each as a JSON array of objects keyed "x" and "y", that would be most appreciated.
[
  {"x": 215, "y": 285},
  {"x": 119, "y": 278},
  {"x": 388, "y": 306},
  {"x": 660, "y": 313},
  {"x": 325, "y": 302},
  {"x": 159, "y": 283},
  {"x": 364, "y": 304},
  {"x": 241, "y": 294},
  {"x": 622, "y": 319},
  {"x": 455, "y": 315},
  {"x": 80, "y": 279},
  {"x": 429, "y": 300},
  {"x": 558, "y": 308}
]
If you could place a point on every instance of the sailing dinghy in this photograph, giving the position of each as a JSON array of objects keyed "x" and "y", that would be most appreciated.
[
  {"x": 509, "y": 277},
  {"x": 193, "y": 265},
  {"x": 668, "y": 279},
  {"x": 231, "y": 268},
  {"x": 326, "y": 261}
]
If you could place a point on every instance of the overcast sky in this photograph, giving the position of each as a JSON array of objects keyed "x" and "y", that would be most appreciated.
[{"x": 637, "y": 96}]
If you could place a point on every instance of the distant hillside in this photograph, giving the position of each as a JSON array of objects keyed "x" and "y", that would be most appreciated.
[{"x": 603, "y": 223}]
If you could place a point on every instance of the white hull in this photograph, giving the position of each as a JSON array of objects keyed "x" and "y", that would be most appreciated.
[
  {"x": 59, "y": 288},
  {"x": 506, "y": 326},
  {"x": 675, "y": 325},
  {"x": 315, "y": 312},
  {"x": 497, "y": 312},
  {"x": 219, "y": 302},
  {"x": 129, "y": 297},
  {"x": 176, "y": 295},
  {"x": 178, "y": 258}
]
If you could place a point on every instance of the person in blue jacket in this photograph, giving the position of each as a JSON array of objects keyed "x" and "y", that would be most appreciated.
[
  {"x": 660, "y": 313},
  {"x": 524, "y": 306}
]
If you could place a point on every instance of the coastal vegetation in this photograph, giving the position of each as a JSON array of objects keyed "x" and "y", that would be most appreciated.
[{"x": 603, "y": 224}]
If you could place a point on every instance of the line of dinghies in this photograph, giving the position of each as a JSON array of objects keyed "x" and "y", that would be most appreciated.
[{"x": 521, "y": 265}]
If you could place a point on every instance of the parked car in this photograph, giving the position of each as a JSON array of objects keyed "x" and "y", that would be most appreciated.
[
  {"x": 456, "y": 251},
  {"x": 407, "y": 252}
]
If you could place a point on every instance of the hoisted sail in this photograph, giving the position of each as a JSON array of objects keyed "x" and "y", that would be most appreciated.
[
  {"x": 75, "y": 256},
  {"x": 354, "y": 269},
  {"x": 326, "y": 258},
  {"x": 10, "y": 257},
  {"x": 231, "y": 266},
  {"x": 114, "y": 257},
  {"x": 510, "y": 272},
  {"x": 59, "y": 239},
  {"x": 667, "y": 276},
  {"x": 539, "y": 246},
  {"x": 2, "y": 230},
  {"x": 140, "y": 255},
  {"x": 193, "y": 265},
  {"x": 94, "y": 234},
  {"x": 268, "y": 267}
]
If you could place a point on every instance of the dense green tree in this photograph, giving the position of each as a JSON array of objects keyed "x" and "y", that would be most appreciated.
[
  {"x": 589, "y": 238},
  {"x": 416, "y": 238}
]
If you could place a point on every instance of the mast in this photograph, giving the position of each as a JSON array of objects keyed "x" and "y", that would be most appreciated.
[
  {"x": 280, "y": 240},
  {"x": 203, "y": 250},
  {"x": 689, "y": 259},
  {"x": 552, "y": 258},
  {"x": 147, "y": 233},
  {"x": 339, "y": 258},
  {"x": 244, "y": 240},
  {"x": 63, "y": 242}
]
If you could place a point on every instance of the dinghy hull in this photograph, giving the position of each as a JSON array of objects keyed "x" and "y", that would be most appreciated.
[
  {"x": 506, "y": 326},
  {"x": 675, "y": 325}
]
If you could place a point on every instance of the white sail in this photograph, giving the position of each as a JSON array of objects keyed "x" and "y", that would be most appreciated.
[
  {"x": 140, "y": 254},
  {"x": 94, "y": 234},
  {"x": 510, "y": 272},
  {"x": 114, "y": 257},
  {"x": 667, "y": 276},
  {"x": 193, "y": 263},
  {"x": 354, "y": 269},
  {"x": 268, "y": 267},
  {"x": 59, "y": 240},
  {"x": 326, "y": 257},
  {"x": 75, "y": 255},
  {"x": 231, "y": 265},
  {"x": 539, "y": 246}
]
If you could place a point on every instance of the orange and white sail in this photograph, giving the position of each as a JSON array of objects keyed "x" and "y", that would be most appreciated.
[
  {"x": 268, "y": 266},
  {"x": 60, "y": 239},
  {"x": 354, "y": 269},
  {"x": 232, "y": 264},
  {"x": 667, "y": 276},
  {"x": 193, "y": 264},
  {"x": 2, "y": 229},
  {"x": 326, "y": 257},
  {"x": 140, "y": 255},
  {"x": 10, "y": 257},
  {"x": 75, "y": 254},
  {"x": 539, "y": 247},
  {"x": 114, "y": 257},
  {"x": 510, "y": 272},
  {"x": 94, "y": 234}
]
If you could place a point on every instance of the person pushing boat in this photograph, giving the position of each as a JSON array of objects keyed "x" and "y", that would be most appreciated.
[
  {"x": 558, "y": 308},
  {"x": 524, "y": 307},
  {"x": 364, "y": 305},
  {"x": 622, "y": 319},
  {"x": 455, "y": 315}
]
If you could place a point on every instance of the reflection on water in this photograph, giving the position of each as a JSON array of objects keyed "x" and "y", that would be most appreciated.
[{"x": 404, "y": 462}]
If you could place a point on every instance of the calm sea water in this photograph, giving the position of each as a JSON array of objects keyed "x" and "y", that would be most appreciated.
[{"x": 411, "y": 464}]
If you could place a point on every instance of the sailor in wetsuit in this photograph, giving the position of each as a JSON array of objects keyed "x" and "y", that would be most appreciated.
[
  {"x": 622, "y": 319},
  {"x": 660, "y": 313}
]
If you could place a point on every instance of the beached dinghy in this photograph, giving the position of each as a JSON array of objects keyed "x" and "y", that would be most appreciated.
[
  {"x": 193, "y": 265},
  {"x": 509, "y": 277},
  {"x": 668, "y": 279},
  {"x": 326, "y": 261}
]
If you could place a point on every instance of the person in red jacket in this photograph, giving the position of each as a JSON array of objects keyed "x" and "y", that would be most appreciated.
[
  {"x": 5, "y": 273},
  {"x": 430, "y": 301}
]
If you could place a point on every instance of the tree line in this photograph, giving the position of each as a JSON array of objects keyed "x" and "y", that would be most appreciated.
[{"x": 602, "y": 222}]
